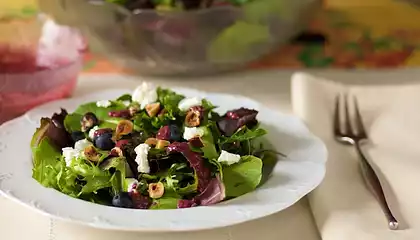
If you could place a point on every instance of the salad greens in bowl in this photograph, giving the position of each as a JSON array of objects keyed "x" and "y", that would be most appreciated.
[
  {"x": 152, "y": 149},
  {"x": 184, "y": 37}
]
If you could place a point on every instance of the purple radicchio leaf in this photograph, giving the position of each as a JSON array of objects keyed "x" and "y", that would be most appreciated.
[
  {"x": 185, "y": 203},
  {"x": 235, "y": 119},
  {"x": 196, "y": 162},
  {"x": 53, "y": 128},
  {"x": 140, "y": 201},
  {"x": 214, "y": 193}
]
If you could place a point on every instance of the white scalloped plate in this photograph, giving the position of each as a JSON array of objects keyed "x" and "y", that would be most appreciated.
[{"x": 292, "y": 178}]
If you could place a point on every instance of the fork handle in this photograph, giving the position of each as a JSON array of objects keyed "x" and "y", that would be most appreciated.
[{"x": 375, "y": 187}]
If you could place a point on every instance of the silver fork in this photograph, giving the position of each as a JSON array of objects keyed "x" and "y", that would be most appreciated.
[{"x": 354, "y": 133}]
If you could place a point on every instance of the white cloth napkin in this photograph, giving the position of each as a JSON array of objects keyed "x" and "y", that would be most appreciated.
[{"x": 343, "y": 207}]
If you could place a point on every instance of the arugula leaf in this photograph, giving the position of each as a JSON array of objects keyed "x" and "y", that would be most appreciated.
[
  {"x": 169, "y": 99},
  {"x": 72, "y": 121},
  {"x": 207, "y": 105},
  {"x": 242, "y": 177},
  {"x": 173, "y": 178},
  {"x": 152, "y": 124},
  {"x": 244, "y": 134}
]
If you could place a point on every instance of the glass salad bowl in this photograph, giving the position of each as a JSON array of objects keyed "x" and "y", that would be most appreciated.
[
  {"x": 198, "y": 42},
  {"x": 39, "y": 62}
]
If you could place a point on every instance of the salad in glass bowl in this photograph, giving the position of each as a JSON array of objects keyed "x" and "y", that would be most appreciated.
[
  {"x": 153, "y": 149},
  {"x": 184, "y": 37}
]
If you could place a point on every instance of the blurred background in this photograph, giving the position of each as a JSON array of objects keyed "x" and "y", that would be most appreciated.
[{"x": 343, "y": 34}]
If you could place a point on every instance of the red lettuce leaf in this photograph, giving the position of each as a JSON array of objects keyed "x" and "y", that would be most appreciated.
[
  {"x": 235, "y": 119},
  {"x": 53, "y": 128},
  {"x": 196, "y": 162},
  {"x": 214, "y": 193}
]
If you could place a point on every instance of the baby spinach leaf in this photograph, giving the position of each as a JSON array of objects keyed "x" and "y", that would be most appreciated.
[
  {"x": 209, "y": 148},
  {"x": 72, "y": 121},
  {"x": 125, "y": 97},
  {"x": 242, "y": 177},
  {"x": 165, "y": 203}
]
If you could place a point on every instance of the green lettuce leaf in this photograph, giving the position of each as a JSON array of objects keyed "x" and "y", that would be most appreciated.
[
  {"x": 165, "y": 203},
  {"x": 169, "y": 99},
  {"x": 243, "y": 177},
  {"x": 236, "y": 42},
  {"x": 45, "y": 160}
]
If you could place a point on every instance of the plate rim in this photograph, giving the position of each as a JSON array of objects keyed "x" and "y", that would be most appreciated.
[{"x": 98, "y": 225}]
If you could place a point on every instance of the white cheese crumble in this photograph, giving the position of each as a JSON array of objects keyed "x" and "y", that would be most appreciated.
[
  {"x": 103, "y": 103},
  {"x": 82, "y": 144},
  {"x": 131, "y": 184},
  {"x": 92, "y": 132},
  {"x": 126, "y": 103},
  {"x": 69, "y": 155},
  {"x": 145, "y": 94},
  {"x": 228, "y": 158},
  {"x": 190, "y": 133},
  {"x": 142, "y": 151},
  {"x": 188, "y": 103}
]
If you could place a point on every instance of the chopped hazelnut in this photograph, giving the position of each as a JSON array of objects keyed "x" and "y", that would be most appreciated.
[
  {"x": 91, "y": 154},
  {"x": 152, "y": 109},
  {"x": 194, "y": 117},
  {"x": 88, "y": 121},
  {"x": 151, "y": 141},
  {"x": 156, "y": 190},
  {"x": 117, "y": 152},
  {"x": 133, "y": 110}
]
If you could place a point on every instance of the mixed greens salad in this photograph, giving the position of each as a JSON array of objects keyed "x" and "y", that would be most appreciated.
[
  {"x": 175, "y": 4},
  {"x": 154, "y": 149}
]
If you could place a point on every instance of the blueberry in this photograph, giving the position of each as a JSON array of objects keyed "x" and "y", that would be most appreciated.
[
  {"x": 77, "y": 136},
  {"x": 175, "y": 133},
  {"x": 101, "y": 131},
  {"x": 104, "y": 141},
  {"x": 122, "y": 200}
]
